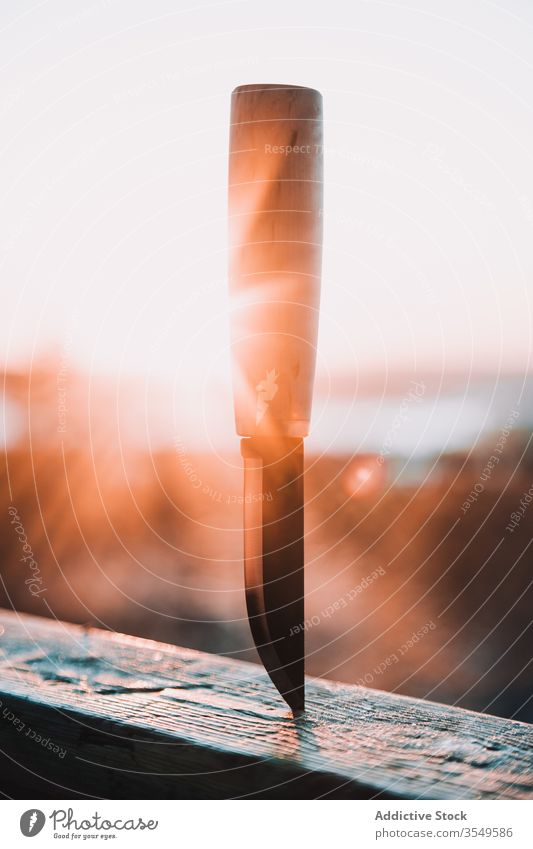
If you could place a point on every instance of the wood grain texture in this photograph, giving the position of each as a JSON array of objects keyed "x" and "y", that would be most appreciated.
[{"x": 110, "y": 716}]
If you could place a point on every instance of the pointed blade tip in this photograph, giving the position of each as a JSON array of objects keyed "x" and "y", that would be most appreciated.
[{"x": 296, "y": 702}]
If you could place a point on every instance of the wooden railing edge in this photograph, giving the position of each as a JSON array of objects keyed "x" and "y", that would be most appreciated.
[{"x": 89, "y": 713}]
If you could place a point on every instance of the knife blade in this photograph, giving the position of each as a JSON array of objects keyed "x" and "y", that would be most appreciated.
[{"x": 274, "y": 559}]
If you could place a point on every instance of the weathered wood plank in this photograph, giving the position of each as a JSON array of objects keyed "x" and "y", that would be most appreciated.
[{"x": 85, "y": 712}]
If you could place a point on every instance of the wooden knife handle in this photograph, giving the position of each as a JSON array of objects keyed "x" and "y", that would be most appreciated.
[{"x": 275, "y": 223}]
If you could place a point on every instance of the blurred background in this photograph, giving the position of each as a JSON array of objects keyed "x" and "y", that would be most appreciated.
[{"x": 121, "y": 480}]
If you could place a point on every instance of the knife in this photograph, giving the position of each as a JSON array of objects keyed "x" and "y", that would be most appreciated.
[{"x": 275, "y": 231}]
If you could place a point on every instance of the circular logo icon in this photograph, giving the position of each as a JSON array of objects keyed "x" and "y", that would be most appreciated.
[{"x": 32, "y": 822}]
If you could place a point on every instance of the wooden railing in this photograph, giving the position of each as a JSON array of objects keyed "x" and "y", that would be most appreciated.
[{"x": 90, "y": 713}]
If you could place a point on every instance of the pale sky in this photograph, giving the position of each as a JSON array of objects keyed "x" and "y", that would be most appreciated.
[{"x": 113, "y": 174}]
